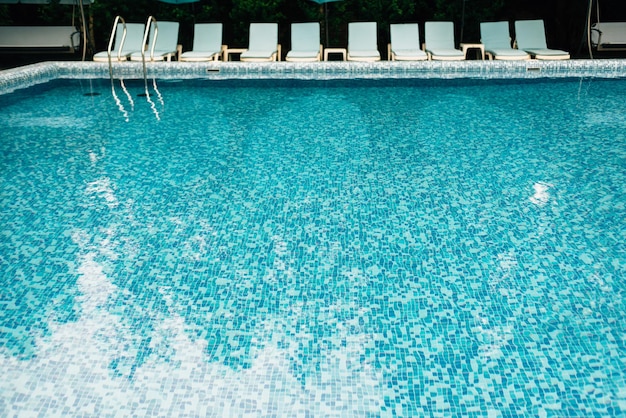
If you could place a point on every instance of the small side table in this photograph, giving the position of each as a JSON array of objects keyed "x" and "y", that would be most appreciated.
[
  {"x": 466, "y": 47},
  {"x": 341, "y": 51},
  {"x": 229, "y": 51}
]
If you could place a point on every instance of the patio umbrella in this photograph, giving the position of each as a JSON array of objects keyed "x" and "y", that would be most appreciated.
[
  {"x": 74, "y": 2},
  {"x": 25, "y": 1},
  {"x": 325, "y": 3}
]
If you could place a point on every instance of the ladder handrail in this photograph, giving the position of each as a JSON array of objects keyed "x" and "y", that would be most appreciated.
[
  {"x": 113, "y": 35},
  {"x": 144, "y": 45},
  {"x": 154, "y": 39}
]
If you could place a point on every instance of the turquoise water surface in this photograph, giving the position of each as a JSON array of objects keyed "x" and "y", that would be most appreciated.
[{"x": 314, "y": 248}]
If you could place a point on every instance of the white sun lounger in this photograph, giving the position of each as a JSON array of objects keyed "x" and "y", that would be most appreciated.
[
  {"x": 531, "y": 37},
  {"x": 305, "y": 42},
  {"x": 362, "y": 42},
  {"x": 496, "y": 39},
  {"x": 132, "y": 43},
  {"x": 405, "y": 43},
  {"x": 263, "y": 44},
  {"x": 207, "y": 43},
  {"x": 439, "y": 37},
  {"x": 163, "y": 44}
]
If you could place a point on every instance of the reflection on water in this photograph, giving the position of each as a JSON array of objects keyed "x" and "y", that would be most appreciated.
[
  {"x": 119, "y": 103},
  {"x": 151, "y": 102},
  {"x": 100, "y": 353},
  {"x": 542, "y": 193},
  {"x": 129, "y": 98},
  {"x": 102, "y": 188}
]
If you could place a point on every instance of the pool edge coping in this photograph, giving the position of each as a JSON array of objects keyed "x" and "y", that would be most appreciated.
[{"x": 22, "y": 77}]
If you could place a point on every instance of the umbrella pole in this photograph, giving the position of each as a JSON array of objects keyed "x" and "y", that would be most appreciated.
[
  {"x": 83, "y": 28},
  {"x": 462, "y": 21},
  {"x": 326, "y": 22}
]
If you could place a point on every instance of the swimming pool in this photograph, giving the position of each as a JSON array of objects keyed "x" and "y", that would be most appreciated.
[{"x": 322, "y": 247}]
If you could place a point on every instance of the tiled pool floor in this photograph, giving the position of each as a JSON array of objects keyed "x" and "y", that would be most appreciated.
[{"x": 314, "y": 248}]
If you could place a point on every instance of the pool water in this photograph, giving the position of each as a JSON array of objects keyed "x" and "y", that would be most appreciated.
[{"x": 314, "y": 248}]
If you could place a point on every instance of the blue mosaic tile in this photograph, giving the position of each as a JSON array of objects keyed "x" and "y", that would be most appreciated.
[{"x": 314, "y": 247}]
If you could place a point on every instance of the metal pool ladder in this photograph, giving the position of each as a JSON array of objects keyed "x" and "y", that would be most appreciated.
[
  {"x": 118, "y": 19},
  {"x": 144, "y": 44}
]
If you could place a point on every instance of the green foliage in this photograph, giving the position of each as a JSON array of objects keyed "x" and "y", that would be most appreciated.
[
  {"x": 5, "y": 18},
  {"x": 244, "y": 12},
  {"x": 400, "y": 11},
  {"x": 478, "y": 11},
  {"x": 257, "y": 10}
]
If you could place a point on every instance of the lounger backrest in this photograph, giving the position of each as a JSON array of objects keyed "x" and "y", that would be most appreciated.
[
  {"x": 263, "y": 36},
  {"x": 134, "y": 38},
  {"x": 119, "y": 35},
  {"x": 495, "y": 35},
  {"x": 305, "y": 36},
  {"x": 439, "y": 35},
  {"x": 207, "y": 37},
  {"x": 166, "y": 37},
  {"x": 404, "y": 36},
  {"x": 362, "y": 36},
  {"x": 530, "y": 34}
]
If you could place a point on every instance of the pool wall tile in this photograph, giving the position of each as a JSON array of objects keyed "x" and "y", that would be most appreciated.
[{"x": 39, "y": 73}]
